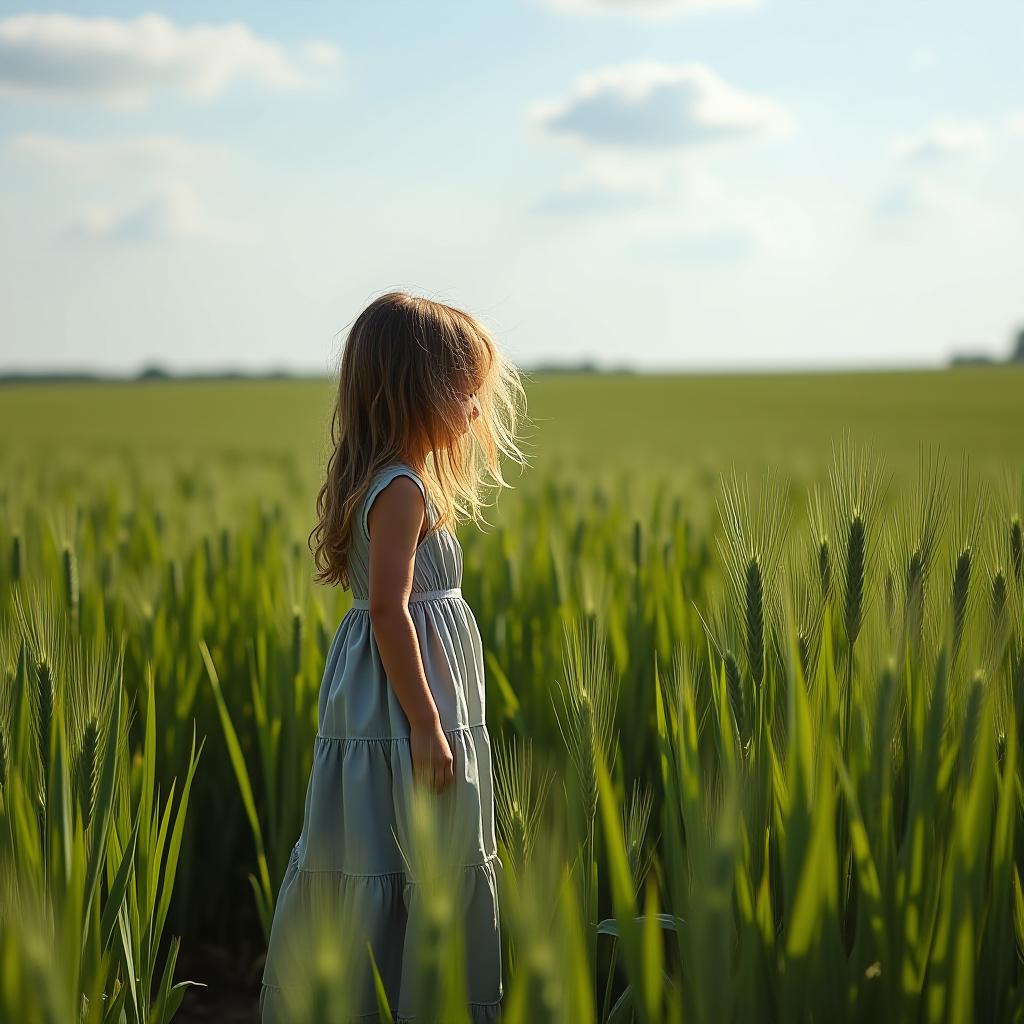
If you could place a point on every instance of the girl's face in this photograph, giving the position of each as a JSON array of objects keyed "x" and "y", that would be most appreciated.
[{"x": 469, "y": 408}]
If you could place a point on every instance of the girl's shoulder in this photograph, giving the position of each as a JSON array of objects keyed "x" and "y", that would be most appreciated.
[
  {"x": 380, "y": 480},
  {"x": 387, "y": 473}
]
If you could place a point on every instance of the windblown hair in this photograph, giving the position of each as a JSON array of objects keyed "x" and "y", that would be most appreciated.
[{"x": 406, "y": 362}]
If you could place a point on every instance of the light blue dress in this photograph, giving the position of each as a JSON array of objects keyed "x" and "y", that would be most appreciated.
[{"x": 346, "y": 859}]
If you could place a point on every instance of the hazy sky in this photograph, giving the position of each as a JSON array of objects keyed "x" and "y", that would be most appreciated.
[{"x": 663, "y": 183}]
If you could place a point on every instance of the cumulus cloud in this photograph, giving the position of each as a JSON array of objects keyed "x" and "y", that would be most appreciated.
[
  {"x": 940, "y": 140},
  {"x": 648, "y": 104},
  {"x": 169, "y": 213},
  {"x": 642, "y": 128},
  {"x": 647, "y": 9},
  {"x": 145, "y": 155},
  {"x": 126, "y": 61}
]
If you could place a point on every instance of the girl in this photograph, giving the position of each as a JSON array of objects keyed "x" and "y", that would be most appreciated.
[{"x": 402, "y": 697}]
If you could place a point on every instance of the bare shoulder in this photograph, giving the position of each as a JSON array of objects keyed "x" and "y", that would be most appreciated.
[{"x": 397, "y": 512}]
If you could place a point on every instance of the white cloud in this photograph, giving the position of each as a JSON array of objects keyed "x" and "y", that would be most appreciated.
[
  {"x": 648, "y": 9},
  {"x": 145, "y": 155},
  {"x": 648, "y": 104},
  {"x": 642, "y": 126},
  {"x": 941, "y": 139},
  {"x": 171, "y": 212},
  {"x": 124, "y": 62}
]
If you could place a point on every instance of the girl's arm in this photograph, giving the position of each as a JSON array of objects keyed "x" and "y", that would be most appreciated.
[{"x": 395, "y": 519}]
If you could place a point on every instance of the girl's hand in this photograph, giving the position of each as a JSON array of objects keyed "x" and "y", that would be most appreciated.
[{"x": 432, "y": 761}]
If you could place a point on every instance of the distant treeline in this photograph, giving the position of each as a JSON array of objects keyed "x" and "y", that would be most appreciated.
[
  {"x": 149, "y": 373},
  {"x": 1016, "y": 355},
  {"x": 159, "y": 373}
]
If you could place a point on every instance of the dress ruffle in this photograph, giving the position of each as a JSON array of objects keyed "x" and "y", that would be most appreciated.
[
  {"x": 348, "y": 868},
  {"x": 356, "y": 801}
]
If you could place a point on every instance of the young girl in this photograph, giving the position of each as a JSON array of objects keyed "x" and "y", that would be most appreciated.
[{"x": 402, "y": 697}]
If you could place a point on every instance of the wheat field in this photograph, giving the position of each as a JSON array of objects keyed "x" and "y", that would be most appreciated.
[{"x": 755, "y": 670}]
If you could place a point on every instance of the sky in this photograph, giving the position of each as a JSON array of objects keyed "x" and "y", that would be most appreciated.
[{"x": 658, "y": 184}]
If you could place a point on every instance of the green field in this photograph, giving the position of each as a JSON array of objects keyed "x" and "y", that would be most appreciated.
[
  {"x": 598, "y": 419},
  {"x": 811, "y": 737}
]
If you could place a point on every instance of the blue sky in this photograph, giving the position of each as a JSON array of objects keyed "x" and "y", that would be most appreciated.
[{"x": 661, "y": 183}]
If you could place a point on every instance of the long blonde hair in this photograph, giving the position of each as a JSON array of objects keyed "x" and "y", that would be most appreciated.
[{"x": 405, "y": 363}]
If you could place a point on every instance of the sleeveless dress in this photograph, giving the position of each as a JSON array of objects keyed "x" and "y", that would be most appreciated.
[{"x": 346, "y": 859}]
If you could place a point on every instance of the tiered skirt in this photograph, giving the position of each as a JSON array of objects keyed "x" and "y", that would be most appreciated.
[{"x": 349, "y": 880}]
